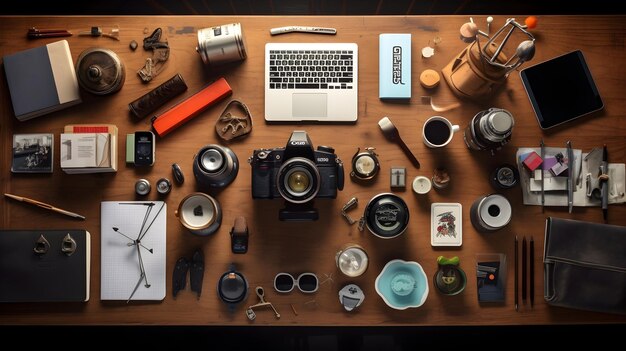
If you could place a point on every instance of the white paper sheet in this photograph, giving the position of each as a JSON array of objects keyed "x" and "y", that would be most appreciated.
[{"x": 120, "y": 269}]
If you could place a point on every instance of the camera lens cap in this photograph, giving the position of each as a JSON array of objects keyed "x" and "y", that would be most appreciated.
[
  {"x": 387, "y": 215},
  {"x": 232, "y": 287}
]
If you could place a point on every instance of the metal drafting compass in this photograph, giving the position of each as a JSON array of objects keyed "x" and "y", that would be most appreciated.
[{"x": 136, "y": 243}]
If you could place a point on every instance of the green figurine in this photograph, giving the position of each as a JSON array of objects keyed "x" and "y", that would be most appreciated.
[{"x": 449, "y": 278}]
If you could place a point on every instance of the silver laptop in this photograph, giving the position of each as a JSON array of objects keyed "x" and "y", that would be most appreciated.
[{"x": 314, "y": 82}]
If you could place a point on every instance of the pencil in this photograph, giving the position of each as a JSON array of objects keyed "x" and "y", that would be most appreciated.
[
  {"x": 44, "y": 205},
  {"x": 532, "y": 272},
  {"x": 516, "y": 275},
  {"x": 524, "y": 269}
]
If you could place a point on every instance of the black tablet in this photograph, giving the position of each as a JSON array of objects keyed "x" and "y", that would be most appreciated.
[{"x": 561, "y": 89}]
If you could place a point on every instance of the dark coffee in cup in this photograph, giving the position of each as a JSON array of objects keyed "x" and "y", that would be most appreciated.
[{"x": 437, "y": 132}]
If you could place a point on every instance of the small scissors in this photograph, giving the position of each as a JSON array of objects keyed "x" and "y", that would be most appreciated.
[{"x": 262, "y": 303}]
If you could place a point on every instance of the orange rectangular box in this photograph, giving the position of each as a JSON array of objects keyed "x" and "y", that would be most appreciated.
[{"x": 191, "y": 107}]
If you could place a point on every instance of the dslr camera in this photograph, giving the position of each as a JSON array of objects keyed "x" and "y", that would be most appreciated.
[{"x": 298, "y": 174}]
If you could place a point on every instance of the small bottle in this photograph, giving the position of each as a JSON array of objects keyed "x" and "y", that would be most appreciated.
[{"x": 441, "y": 178}]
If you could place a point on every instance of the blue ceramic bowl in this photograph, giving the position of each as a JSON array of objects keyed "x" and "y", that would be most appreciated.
[{"x": 402, "y": 284}]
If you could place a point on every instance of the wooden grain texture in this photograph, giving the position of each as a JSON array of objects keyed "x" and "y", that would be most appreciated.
[{"x": 299, "y": 247}]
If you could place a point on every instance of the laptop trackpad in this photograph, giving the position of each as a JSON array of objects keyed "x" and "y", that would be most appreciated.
[{"x": 309, "y": 105}]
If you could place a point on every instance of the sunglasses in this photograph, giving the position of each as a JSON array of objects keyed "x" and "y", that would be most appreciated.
[{"x": 306, "y": 282}]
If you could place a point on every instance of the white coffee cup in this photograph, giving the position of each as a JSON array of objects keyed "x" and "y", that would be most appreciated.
[{"x": 438, "y": 131}]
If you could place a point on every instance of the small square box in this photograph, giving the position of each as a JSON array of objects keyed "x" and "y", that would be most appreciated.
[
  {"x": 398, "y": 177},
  {"x": 532, "y": 161}
]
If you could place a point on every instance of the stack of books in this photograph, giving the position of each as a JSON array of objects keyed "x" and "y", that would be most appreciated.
[{"x": 89, "y": 148}]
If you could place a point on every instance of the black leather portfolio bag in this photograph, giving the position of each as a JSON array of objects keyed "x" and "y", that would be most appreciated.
[{"x": 585, "y": 265}]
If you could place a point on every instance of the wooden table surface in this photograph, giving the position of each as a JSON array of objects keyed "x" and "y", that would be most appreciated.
[{"x": 302, "y": 247}]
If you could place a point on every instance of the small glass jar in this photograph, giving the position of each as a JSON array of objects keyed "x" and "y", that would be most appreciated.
[{"x": 352, "y": 260}]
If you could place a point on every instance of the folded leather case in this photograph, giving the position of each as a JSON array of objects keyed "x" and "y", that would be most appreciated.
[
  {"x": 585, "y": 265},
  {"x": 157, "y": 97}
]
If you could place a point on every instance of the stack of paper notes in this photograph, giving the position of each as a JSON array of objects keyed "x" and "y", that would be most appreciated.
[
  {"x": 89, "y": 149},
  {"x": 555, "y": 171}
]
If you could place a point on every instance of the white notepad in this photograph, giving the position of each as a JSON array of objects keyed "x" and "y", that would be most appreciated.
[{"x": 120, "y": 266}]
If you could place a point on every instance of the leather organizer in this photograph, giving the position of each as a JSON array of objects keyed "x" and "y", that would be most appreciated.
[{"x": 585, "y": 265}]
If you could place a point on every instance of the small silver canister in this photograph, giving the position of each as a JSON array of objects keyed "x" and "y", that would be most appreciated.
[
  {"x": 221, "y": 44},
  {"x": 489, "y": 130}
]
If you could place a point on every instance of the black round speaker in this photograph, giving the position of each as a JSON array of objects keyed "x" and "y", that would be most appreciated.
[{"x": 215, "y": 166}]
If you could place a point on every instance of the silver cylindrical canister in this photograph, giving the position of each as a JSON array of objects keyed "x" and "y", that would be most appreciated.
[
  {"x": 200, "y": 213},
  {"x": 490, "y": 213},
  {"x": 221, "y": 44},
  {"x": 489, "y": 130}
]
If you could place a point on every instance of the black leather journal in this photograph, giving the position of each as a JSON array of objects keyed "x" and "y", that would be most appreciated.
[
  {"x": 44, "y": 265},
  {"x": 585, "y": 265}
]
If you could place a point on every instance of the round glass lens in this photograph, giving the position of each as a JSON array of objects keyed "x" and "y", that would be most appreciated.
[
  {"x": 365, "y": 165},
  {"x": 307, "y": 283},
  {"x": 298, "y": 181},
  {"x": 283, "y": 283}
]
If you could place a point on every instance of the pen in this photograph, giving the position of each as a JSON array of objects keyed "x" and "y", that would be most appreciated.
[
  {"x": 516, "y": 275},
  {"x": 532, "y": 271},
  {"x": 34, "y": 33},
  {"x": 302, "y": 29},
  {"x": 605, "y": 183},
  {"x": 524, "y": 269},
  {"x": 570, "y": 176},
  {"x": 543, "y": 155},
  {"x": 44, "y": 205}
]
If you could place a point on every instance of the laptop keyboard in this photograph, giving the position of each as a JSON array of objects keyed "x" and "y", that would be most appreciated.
[{"x": 311, "y": 69}]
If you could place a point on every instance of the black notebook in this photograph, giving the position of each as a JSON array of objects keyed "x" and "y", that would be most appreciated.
[{"x": 49, "y": 275}]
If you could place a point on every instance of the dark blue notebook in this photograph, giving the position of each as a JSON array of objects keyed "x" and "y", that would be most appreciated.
[{"x": 41, "y": 80}]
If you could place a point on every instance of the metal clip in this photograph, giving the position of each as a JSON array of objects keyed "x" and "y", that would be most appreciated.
[
  {"x": 69, "y": 245},
  {"x": 261, "y": 294},
  {"x": 41, "y": 245},
  {"x": 350, "y": 204},
  {"x": 362, "y": 224}
]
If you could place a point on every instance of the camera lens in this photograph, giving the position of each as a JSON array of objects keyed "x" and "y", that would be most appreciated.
[{"x": 298, "y": 180}]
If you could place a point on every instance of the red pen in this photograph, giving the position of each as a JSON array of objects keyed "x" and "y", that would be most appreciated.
[{"x": 34, "y": 33}]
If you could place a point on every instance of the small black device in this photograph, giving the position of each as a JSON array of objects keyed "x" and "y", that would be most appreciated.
[
  {"x": 144, "y": 148},
  {"x": 239, "y": 236},
  {"x": 298, "y": 174},
  {"x": 178, "y": 173},
  {"x": 561, "y": 89}
]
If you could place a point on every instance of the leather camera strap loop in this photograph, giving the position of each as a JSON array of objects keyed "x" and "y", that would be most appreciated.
[{"x": 230, "y": 126}]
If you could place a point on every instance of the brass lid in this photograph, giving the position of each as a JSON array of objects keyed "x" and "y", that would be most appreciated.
[{"x": 100, "y": 71}]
